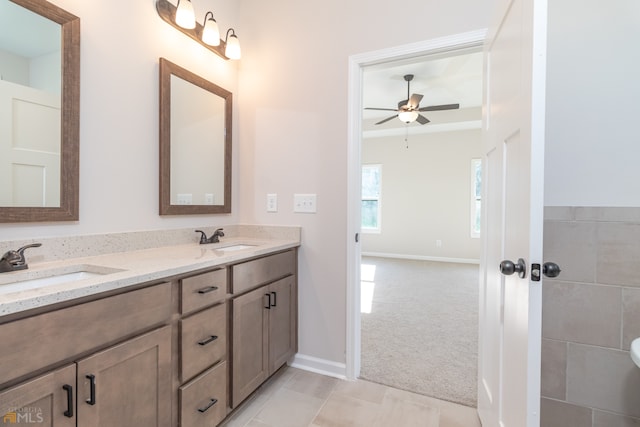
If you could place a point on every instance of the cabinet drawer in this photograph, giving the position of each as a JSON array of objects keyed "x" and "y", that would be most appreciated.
[
  {"x": 203, "y": 340},
  {"x": 203, "y": 401},
  {"x": 250, "y": 274},
  {"x": 203, "y": 290},
  {"x": 36, "y": 342}
]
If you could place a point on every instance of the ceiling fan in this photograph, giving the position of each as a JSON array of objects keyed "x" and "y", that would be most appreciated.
[{"x": 409, "y": 109}]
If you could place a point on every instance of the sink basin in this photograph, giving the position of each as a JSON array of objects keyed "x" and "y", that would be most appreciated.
[
  {"x": 635, "y": 351},
  {"x": 38, "y": 279},
  {"x": 234, "y": 248}
]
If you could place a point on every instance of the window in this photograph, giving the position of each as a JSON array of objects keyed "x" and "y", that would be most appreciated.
[
  {"x": 371, "y": 179},
  {"x": 476, "y": 196}
]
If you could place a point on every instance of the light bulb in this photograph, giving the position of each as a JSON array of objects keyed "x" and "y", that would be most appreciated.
[
  {"x": 232, "y": 51},
  {"x": 408, "y": 116},
  {"x": 210, "y": 32},
  {"x": 185, "y": 15}
]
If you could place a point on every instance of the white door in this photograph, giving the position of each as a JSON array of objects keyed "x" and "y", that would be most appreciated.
[
  {"x": 29, "y": 146},
  {"x": 510, "y": 305}
]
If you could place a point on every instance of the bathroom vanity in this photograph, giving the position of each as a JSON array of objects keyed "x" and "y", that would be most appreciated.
[{"x": 173, "y": 336}]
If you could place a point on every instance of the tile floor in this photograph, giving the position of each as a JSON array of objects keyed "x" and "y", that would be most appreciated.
[{"x": 297, "y": 398}]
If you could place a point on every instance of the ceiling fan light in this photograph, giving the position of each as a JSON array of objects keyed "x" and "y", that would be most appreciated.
[
  {"x": 408, "y": 116},
  {"x": 185, "y": 15}
]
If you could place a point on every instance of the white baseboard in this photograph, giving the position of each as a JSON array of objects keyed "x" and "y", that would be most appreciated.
[
  {"x": 320, "y": 366},
  {"x": 422, "y": 257}
]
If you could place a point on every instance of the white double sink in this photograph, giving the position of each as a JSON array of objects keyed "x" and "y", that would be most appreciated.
[{"x": 28, "y": 280}]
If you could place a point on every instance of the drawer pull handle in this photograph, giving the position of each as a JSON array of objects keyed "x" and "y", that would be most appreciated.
[
  {"x": 212, "y": 338},
  {"x": 274, "y": 299},
  {"x": 208, "y": 289},
  {"x": 268, "y": 306},
  {"x": 69, "y": 412},
  {"x": 92, "y": 397},
  {"x": 206, "y": 408}
]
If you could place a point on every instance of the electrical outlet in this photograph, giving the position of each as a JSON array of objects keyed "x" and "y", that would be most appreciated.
[
  {"x": 304, "y": 203},
  {"x": 209, "y": 199},
  {"x": 272, "y": 202},
  {"x": 184, "y": 198}
]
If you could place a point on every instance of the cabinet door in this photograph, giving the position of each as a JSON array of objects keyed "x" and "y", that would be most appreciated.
[
  {"x": 250, "y": 345},
  {"x": 45, "y": 401},
  {"x": 128, "y": 385},
  {"x": 282, "y": 333}
]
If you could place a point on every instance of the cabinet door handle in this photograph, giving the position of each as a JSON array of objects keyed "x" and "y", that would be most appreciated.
[
  {"x": 206, "y": 408},
  {"x": 92, "y": 396},
  {"x": 212, "y": 338},
  {"x": 274, "y": 299},
  {"x": 208, "y": 289},
  {"x": 268, "y": 306},
  {"x": 69, "y": 412}
]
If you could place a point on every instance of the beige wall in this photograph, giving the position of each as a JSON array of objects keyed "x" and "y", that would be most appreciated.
[
  {"x": 293, "y": 138},
  {"x": 426, "y": 195}
]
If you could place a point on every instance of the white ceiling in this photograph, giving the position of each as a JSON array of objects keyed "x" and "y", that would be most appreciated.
[{"x": 453, "y": 78}]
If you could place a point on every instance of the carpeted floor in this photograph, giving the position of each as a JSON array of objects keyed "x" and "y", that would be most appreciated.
[{"x": 422, "y": 332}]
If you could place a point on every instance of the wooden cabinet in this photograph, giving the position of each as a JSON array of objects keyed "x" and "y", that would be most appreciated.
[
  {"x": 203, "y": 350},
  {"x": 128, "y": 384},
  {"x": 264, "y": 334},
  {"x": 48, "y": 400},
  {"x": 203, "y": 401},
  {"x": 124, "y": 385}
]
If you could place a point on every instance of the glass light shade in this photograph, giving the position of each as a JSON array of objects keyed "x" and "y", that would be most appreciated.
[
  {"x": 232, "y": 51},
  {"x": 185, "y": 15},
  {"x": 408, "y": 116},
  {"x": 210, "y": 32}
]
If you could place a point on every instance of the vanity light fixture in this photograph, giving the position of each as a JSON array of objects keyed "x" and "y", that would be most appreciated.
[
  {"x": 182, "y": 18},
  {"x": 233, "y": 45}
]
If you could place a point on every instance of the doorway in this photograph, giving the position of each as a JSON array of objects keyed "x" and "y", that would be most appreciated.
[{"x": 358, "y": 65}]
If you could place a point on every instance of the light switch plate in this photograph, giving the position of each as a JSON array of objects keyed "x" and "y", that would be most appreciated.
[
  {"x": 304, "y": 203},
  {"x": 272, "y": 202}
]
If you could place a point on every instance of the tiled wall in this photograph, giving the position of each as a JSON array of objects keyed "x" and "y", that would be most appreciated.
[{"x": 590, "y": 315}]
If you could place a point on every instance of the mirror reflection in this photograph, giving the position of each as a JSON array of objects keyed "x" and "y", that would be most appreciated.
[
  {"x": 39, "y": 112},
  {"x": 195, "y": 143},
  {"x": 30, "y": 93}
]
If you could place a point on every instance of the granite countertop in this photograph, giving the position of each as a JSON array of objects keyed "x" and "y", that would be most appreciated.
[{"x": 123, "y": 269}]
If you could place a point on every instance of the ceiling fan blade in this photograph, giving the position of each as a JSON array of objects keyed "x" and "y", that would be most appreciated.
[
  {"x": 387, "y": 119},
  {"x": 440, "y": 107},
  {"x": 422, "y": 119},
  {"x": 414, "y": 101},
  {"x": 381, "y": 109}
]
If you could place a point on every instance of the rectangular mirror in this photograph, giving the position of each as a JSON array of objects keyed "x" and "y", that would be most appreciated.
[
  {"x": 39, "y": 112},
  {"x": 195, "y": 143}
]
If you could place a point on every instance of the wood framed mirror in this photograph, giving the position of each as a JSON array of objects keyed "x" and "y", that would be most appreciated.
[
  {"x": 39, "y": 111},
  {"x": 195, "y": 143}
]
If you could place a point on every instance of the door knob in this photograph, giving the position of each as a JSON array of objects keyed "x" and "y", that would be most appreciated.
[
  {"x": 508, "y": 268},
  {"x": 551, "y": 269}
]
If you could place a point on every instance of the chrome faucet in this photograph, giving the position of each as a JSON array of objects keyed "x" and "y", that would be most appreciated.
[
  {"x": 15, "y": 260},
  {"x": 215, "y": 237}
]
